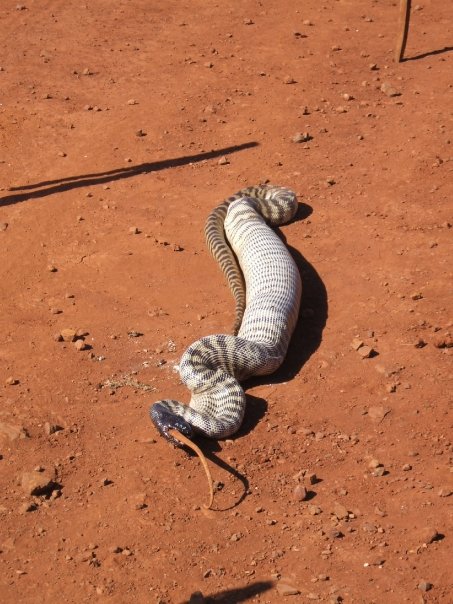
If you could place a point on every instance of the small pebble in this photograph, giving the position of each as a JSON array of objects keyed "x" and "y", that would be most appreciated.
[
  {"x": 133, "y": 230},
  {"x": 284, "y": 589},
  {"x": 424, "y": 586},
  {"x": 11, "y": 381},
  {"x": 301, "y": 137},
  {"x": 314, "y": 510},
  {"x": 340, "y": 511},
  {"x": 366, "y": 352},
  {"x": 80, "y": 345},
  {"x": 389, "y": 90},
  {"x": 51, "y": 268},
  {"x": 51, "y": 428},
  {"x": 300, "y": 493},
  {"x": 68, "y": 334},
  {"x": 427, "y": 535},
  {"x": 223, "y": 161},
  {"x": 444, "y": 492}
]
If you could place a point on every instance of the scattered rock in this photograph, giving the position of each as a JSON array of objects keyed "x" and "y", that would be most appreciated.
[
  {"x": 301, "y": 137},
  {"x": 314, "y": 510},
  {"x": 289, "y": 80},
  {"x": 80, "y": 345},
  {"x": 377, "y": 413},
  {"x": 12, "y": 432},
  {"x": 389, "y": 90},
  {"x": 51, "y": 428},
  {"x": 374, "y": 463},
  {"x": 133, "y": 230},
  {"x": 68, "y": 334},
  {"x": 425, "y": 586},
  {"x": 444, "y": 492},
  {"x": 11, "y": 381},
  {"x": 312, "y": 478},
  {"x": 427, "y": 535},
  {"x": 27, "y": 506},
  {"x": 445, "y": 341},
  {"x": 140, "y": 133},
  {"x": 138, "y": 501},
  {"x": 132, "y": 102},
  {"x": 416, "y": 296},
  {"x": 300, "y": 493},
  {"x": 366, "y": 352},
  {"x": 340, "y": 511},
  {"x": 3, "y": 226},
  {"x": 357, "y": 343},
  {"x": 285, "y": 589},
  {"x": 38, "y": 483},
  {"x": 223, "y": 161}
]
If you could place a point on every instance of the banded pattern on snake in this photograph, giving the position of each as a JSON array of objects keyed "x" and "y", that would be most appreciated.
[{"x": 266, "y": 314}]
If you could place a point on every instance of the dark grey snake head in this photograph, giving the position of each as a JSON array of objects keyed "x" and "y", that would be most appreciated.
[{"x": 164, "y": 419}]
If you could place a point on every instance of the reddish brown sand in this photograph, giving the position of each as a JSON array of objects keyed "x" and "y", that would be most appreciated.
[{"x": 115, "y": 118}]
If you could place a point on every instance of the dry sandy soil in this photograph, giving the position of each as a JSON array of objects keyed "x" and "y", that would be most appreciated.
[{"x": 122, "y": 125}]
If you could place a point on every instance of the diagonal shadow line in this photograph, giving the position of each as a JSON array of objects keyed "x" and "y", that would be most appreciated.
[
  {"x": 430, "y": 53},
  {"x": 73, "y": 182}
]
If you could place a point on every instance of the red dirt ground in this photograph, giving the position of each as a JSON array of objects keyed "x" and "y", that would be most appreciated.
[{"x": 114, "y": 116}]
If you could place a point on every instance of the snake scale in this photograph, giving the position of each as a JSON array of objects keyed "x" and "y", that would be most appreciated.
[{"x": 266, "y": 285}]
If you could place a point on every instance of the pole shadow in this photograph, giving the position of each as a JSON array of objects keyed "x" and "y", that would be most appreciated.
[
  {"x": 430, "y": 53},
  {"x": 50, "y": 187}
]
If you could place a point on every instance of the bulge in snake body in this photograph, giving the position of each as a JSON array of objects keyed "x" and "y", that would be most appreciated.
[{"x": 213, "y": 366}]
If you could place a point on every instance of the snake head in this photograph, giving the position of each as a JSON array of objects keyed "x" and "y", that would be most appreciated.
[{"x": 165, "y": 420}]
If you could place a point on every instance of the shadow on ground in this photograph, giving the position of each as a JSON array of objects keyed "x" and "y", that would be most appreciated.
[
  {"x": 231, "y": 596},
  {"x": 50, "y": 187}
]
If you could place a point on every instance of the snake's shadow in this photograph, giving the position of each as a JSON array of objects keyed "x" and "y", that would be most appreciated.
[{"x": 312, "y": 319}]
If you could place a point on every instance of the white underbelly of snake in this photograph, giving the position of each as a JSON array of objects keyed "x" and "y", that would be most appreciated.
[{"x": 213, "y": 367}]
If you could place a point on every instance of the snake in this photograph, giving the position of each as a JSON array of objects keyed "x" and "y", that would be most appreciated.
[{"x": 266, "y": 285}]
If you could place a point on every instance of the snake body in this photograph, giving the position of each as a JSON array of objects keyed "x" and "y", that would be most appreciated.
[{"x": 266, "y": 313}]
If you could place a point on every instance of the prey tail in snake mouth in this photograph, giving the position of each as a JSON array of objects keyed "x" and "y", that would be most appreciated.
[{"x": 266, "y": 285}]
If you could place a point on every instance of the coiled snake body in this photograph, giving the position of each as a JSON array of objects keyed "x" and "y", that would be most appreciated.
[{"x": 266, "y": 313}]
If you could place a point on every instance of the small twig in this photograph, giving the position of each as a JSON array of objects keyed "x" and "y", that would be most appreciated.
[{"x": 203, "y": 460}]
